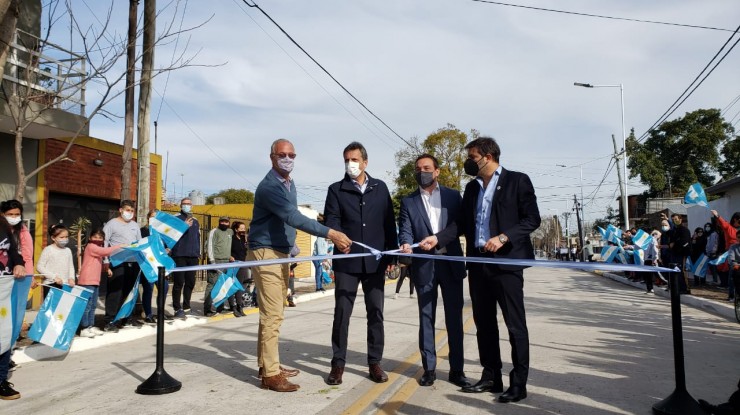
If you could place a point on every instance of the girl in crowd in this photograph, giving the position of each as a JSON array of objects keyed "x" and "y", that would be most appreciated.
[
  {"x": 11, "y": 263},
  {"x": 13, "y": 212},
  {"x": 56, "y": 262},
  {"x": 90, "y": 273},
  {"x": 239, "y": 253}
]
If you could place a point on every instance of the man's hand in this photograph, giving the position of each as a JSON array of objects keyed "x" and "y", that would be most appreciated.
[
  {"x": 714, "y": 213},
  {"x": 406, "y": 249},
  {"x": 493, "y": 244},
  {"x": 341, "y": 241},
  {"x": 428, "y": 243},
  {"x": 189, "y": 221}
]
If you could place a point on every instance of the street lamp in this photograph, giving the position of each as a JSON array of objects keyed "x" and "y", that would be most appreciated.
[{"x": 625, "y": 213}]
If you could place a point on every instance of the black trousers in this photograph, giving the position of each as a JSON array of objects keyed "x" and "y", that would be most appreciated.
[
  {"x": 119, "y": 285},
  {"x": 402, "y": 274},
  {"x": 488, "y": 283},
  {"x": 345, "y": 292},
  {"x": 184, "y": 283}
]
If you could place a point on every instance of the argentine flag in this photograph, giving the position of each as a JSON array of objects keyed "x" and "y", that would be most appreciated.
[
  {"x": 638, "y": 255},
  {"x": 128, "y": 305},
  {"x": 13, "y": 297},
  {"x": 226, "y": 286},
  {"x": 696, "y": 196},
  {"x": 169, "y": 227},
  {"x": 609, "y": 253},
  {"x": 720, "y": 259},
  {"x": 699, "y": 268},
  {"x": 152, "y": 255},
  {"x": 58, "y": 319},
  {"x": 78, "y": 291},
  {"x": 642, "y": 239}
]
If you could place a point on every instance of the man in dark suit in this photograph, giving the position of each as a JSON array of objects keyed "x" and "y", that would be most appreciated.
[
  {"x": 425, "y": 212},
  {"x": 360, "y": 206},
  {"x": 499, "y": 211}
]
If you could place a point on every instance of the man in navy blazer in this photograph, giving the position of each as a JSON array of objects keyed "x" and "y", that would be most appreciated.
[
  {"x": 499, "y": 212},
  {"x": 425, "y": 212},
  {"x": 360, "y": 206}
]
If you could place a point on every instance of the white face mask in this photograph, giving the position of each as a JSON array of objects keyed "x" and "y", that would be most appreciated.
[
  {"x": 127, "y": 216},
  {"x": 353, "y": 169},
  {"x": 13, "y": 220},
  {"x": 286, "y": 164}
]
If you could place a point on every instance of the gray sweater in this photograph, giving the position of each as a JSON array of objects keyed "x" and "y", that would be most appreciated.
[
  {"x": 119, "y": 232},
  {"x": 275, "y": 217}
]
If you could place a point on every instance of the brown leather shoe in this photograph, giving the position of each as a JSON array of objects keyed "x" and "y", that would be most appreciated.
[
  {"x": 278, "y": 383},
  {"x": 288, "y": 373},
  {"x": 335, "y": 376},
  {"x": 377, "y": 374}
]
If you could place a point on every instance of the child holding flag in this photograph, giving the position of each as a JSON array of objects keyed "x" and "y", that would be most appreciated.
[
  {"x": 56, "y": 262},
  {"x": 90, "y": 272},
  {"x": 11, "y": 263}
]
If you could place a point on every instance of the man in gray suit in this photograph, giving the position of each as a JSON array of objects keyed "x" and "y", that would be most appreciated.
[{"x": 425, "y": 212}]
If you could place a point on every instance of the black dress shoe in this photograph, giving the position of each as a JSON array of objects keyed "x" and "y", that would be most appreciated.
[
  {"x": 457, "y": 377},
  {"x": 513, "y": 394},
  {"x": 484, "y": 385},
  {"x": 428, "y": 378}
]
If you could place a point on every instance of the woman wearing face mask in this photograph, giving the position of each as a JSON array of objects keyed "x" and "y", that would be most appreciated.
[
  {"x": 13, "y": 212},
  {"x": 56, "y": 262}
]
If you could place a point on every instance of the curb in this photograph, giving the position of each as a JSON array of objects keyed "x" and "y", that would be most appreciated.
[{"x": 717, "y": 308}]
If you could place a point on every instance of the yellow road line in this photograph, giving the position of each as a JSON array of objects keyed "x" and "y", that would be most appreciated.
[
  {"x": 394, "y": 404},
  {"x": 409, "y": 386}
]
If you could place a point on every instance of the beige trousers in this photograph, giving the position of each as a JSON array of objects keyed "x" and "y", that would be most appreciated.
[{"x": 271, "y": 282}]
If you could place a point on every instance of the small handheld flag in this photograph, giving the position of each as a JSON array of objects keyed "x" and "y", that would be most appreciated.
[
  {"x": 58, "y": 319},
  {"x": 696, "y": 196}
]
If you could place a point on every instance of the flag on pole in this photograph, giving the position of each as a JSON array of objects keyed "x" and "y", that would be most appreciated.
[
  {"x": 58, "y": 319},
  {"x": 169, "y": 227},
  {"x": 13, "y": 298},
  {"x": 226, "y": 286},
  {"x": 78, "y": 291},
  {"x": 642, "y": 239},
  {"x": 696, "y": 196},
  {"x": 602, "y": 231},
  {"x": 152, "y": 256},
  {"x": 699, "y": 268},
  {"x": 609, "y": 253},
  {"x": 129, "y": 303}
]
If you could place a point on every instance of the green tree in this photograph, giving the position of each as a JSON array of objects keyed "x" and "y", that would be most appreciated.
[
  {"x": 729, "y": 167},
  {"x": 233, "y": 196},
  {"x": 684, "y": 151},
  {"x": 612, "y": 217}
]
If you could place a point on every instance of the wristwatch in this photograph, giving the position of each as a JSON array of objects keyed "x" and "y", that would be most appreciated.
[{"x": 503, "y": 239}]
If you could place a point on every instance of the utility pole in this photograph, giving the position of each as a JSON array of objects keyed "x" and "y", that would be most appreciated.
[
  {"x": 580, "y": 227},
  {"x": 617, "y": 156},
  {"x": 566, "y": 215},
  {"x": 128, "y": 123},
  {"x": 145, "y": 99}
]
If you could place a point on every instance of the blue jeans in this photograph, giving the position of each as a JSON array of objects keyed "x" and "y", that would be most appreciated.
[
  {"x": 88, "y": 317},
  {"x": 148, "y": 293},
  {"x": 319, "y": 274}
]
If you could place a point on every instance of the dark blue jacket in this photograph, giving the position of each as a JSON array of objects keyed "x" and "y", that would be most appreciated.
[
  {"x": 514, "y": 213},
  {"x": 414, "y": 225},
  {"x": 365, "y": 217},
  {"x": 189, "y": 243}
]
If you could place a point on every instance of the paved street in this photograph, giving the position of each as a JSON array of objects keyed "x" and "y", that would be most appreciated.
[{"x": 597, "y": 346}]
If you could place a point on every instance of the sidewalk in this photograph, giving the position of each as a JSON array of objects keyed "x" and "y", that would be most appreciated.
[
  {"x": 706, "y": 303},
  {"x": 26, "y": 352}
]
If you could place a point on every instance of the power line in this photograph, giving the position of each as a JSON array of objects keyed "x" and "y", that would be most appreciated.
[
  {"x": 600, "y": 16},
  {"x": 686, "y": 93},
  {"x": 172, "y": 61},
  {"x": 313, "y": 78},
  {"x": 255, "y": 5}
]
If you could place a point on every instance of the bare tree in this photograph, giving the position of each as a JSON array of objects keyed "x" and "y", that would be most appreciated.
[{"x": 36, "y": 91}]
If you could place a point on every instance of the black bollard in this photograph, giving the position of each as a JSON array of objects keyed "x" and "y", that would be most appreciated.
[
  {"x": 680, "y": 401},
  {"x": 159, "y": 382}
]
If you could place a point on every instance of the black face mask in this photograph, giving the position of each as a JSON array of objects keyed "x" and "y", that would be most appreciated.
[
  {"x": 471, "y": 167},
  {"x": 424, "y": 178},
  {"x": 223, "y": 227}
]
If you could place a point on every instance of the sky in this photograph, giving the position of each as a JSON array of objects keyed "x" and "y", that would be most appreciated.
[{"x": 507, "y": 72}]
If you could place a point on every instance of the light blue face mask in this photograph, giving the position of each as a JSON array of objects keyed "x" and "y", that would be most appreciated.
[{"x": 186, "y": 208}]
